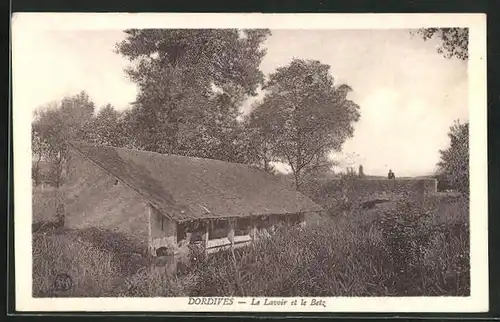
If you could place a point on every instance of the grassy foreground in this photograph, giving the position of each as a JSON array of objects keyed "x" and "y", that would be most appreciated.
[{"x": 399, "y": 249}]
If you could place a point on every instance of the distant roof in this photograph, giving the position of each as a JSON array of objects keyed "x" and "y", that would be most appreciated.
[{"x": 187, "y": 188}]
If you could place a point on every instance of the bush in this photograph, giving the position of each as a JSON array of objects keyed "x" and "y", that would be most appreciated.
[{"x": 420, "y": 247}]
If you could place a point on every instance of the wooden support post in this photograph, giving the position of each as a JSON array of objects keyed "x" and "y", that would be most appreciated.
[
  {"x": 205, "y": 236},
  {"x": 230, "y": 234},
  {"x": 253, "y": 229},
  {"x": 302, "y": 220},
  {"x": 150, "y": 238},
  {"x": 272, "y": 224}
]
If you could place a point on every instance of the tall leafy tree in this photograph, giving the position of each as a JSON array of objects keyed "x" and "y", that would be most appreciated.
[
  {"x": 305, "y": 116},
  {"x": 109, "y": 127},
  {"x": 191, "y": 84},
  {"x": 214, "y": 131},
  {"x": 259, "y": 138},
  {"x": 454, "y": 162},
  {"x": 39, "y": 149},
  {"x": 454, "y": 41},
  {"x": 54, "y": 124}
]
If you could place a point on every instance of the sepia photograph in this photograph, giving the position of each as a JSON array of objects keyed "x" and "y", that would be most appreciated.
[{"x": 250, "y": 163}]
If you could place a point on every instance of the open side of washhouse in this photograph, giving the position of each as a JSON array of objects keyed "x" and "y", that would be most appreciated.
[{"x": 166, "y": 236}]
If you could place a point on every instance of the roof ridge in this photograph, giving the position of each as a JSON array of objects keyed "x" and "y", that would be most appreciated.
[
  {"x": 163, "y": 155},
  {"x": 215, "y": 185}
]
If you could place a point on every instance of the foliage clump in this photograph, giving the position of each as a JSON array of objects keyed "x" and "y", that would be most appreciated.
[{"x": 454, "y": 162}]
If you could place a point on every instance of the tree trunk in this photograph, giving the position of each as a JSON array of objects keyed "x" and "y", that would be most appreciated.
[
  {"x": 266, "y": 165},
  {"x": 296, "y": 175},
  {"x": 36, "y": 170}
]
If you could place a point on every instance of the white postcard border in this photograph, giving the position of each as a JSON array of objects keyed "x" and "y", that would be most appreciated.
[{"x": 476, "y": 302}]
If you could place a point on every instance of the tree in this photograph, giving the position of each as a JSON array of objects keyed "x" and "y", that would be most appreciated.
[
  {"x": 455, "y": 41},
  {"x": 454, "y": 162},
  {"x": 39, "y": 149},
  {"x": 349, "y": 171},
  {"x": 259, "y": 141},
  {"x": 361, "y": 172},
  {"x": 305, "y": 116},
  {"x": 54, "y": 124},
  {"x": 110, "y": 128},
  {"x": 191, "y": 84},
  {"x": 214, "y": 132}
]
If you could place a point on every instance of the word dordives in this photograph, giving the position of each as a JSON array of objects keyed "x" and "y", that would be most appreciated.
[{"x": 210, "y": 301}]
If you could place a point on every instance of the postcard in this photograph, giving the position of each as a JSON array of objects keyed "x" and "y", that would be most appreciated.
[{"x": 250, "y": 162}]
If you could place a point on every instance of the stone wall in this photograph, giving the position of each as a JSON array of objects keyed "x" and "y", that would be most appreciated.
[
  {"x": 94, "y": 198},
  {"x": 360, "y": 190},
  {"x": 397, "y": 186},
  {"x": 163, "y": 231}
]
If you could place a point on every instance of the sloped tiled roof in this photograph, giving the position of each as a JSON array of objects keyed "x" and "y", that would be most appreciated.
[{"x": 187, "y": 188}]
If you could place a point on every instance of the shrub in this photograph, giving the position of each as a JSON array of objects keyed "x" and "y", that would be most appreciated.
[{"x": 428, "y": 256}]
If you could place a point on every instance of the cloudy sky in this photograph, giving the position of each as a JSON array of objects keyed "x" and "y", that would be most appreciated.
[{"x": 409, "y": 95}]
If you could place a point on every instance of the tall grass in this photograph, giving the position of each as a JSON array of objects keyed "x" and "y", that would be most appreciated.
[
  {"x": 327, "y": 260},
  {"x": 92, "y": 270},
  {"x": 403, "y": 249},
  {"x": 97, "y": 268},
  {"x": 408, "y": 250},
  {"x": 45, "y": 201}
]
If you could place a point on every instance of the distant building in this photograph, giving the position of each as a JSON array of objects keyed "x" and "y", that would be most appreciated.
[{"x": 168, "y": 203}]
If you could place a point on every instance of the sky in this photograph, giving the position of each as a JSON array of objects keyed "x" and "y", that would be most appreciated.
[{"x": 409, "y": 95}]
